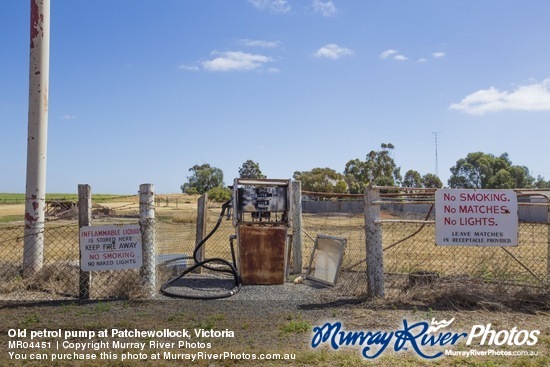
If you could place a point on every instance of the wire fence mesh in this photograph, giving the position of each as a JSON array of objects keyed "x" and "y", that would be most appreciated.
[
  {"x": 411, "y": 256},
  {"x": 58, "y": 277},
  {"x": 352, "y": 278}
]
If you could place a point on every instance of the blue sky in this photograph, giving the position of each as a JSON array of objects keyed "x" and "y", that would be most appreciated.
[{"x": 140, "y": 91}]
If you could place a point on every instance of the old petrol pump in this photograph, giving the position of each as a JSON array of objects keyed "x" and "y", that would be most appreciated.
[{"x": 261, "y": 220}]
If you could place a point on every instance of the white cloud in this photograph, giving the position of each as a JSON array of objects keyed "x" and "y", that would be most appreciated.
[
  {"x": 68, "y": 117},
  {"x": 258, "y": 43},
  {"x": 393, "y": 54},
  {"x": 534, "y": 97},
  {"x": 422, "y": 60},
  {"x": 274, "y": 6},
  {"x": 273, "y": 70},
  {"x": 189, "y": 67},
  {"x": 235, "y": 61},
  {"x": 327, "y": 8},
  {"x": 438, "y": 55},
  {"x": 332, "y": 51},
  {"x": 384, "y": 55}
]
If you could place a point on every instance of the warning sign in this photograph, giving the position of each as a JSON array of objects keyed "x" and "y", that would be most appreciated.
[
  {"x": 476, "y": 217},
  {"x": 110, "y": 247}
]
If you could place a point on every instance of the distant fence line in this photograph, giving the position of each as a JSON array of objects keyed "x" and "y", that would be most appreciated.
[
  {"x": 526, "y": 213},
  {"x": 399, "y": 249}
]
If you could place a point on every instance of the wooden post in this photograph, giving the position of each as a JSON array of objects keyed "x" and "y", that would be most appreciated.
[
  {"x": 202, "y": 220},
  {"x": 147, "y": 223},
  {"x": 296, "y": 215},
  {"x": 84, "y": 219},
  {"x": 373, "y": 236}
]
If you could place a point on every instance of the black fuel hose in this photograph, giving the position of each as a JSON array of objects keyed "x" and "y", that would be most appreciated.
[{"x": 230, "y": 268}]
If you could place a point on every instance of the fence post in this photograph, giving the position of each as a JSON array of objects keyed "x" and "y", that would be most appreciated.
[
  {"x": 147, "y": 224},
  {"x": 296, "y": 213},
  {"x": 84, "y": 219},
  {"x": 202, "y": 220},
  {"x": 373, "y": 235}
]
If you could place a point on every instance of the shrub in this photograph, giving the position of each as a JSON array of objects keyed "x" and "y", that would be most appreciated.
[{"x": 220, "y": 194}]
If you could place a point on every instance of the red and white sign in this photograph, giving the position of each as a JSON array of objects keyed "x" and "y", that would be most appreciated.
[
  {"x": 110, "y": 247},
  {"x": 476, "y": 217}
]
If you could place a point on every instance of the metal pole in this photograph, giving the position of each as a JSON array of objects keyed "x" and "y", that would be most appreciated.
[{"x": 35, "y": 196}]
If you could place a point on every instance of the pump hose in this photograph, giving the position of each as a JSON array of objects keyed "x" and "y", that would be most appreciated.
[{"x": 231, "y": 268}]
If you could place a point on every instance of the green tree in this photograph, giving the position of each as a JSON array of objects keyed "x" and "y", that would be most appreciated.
[
  {"x": 355, "y": 176},
  {"x": 431, "y": 181},
  {"x": 203, "y": 178},
  {"x": 250, "y": 169},
  {"x": 378, "y": 168},
  {"x": 412, "y": 179},
  {"x": 486, "y": 171},
  {"x": 219, "y": 194},
  {"x": 321, "y": 180},
  {"x": 541, "y": 183}
]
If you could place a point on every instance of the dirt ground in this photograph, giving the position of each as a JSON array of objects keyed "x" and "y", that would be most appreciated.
[{"x": 263, "y": 328}]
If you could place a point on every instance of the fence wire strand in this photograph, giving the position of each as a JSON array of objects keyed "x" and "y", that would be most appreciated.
[{"x": 408, "y": 241}]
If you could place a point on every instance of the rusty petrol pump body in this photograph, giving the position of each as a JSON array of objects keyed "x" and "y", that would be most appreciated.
[{"x": 261, "y": 219}]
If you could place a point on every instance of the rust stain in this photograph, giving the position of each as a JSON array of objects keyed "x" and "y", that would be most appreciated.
[
  {"x": 29, "y": 218},
  {"x": 37, "y": 20},
  {"x": 35, "y": 205},
  {"x": 262, "y": 254}
]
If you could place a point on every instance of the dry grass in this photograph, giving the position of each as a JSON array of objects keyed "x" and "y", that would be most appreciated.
[{"x": 525, "y": 264}]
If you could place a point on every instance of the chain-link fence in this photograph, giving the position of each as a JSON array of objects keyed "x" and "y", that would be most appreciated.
[
  {"x": 58, "y": 277},
  {"x": 412, "y": 258},
  {"x": 339, "y": 217},
  {"x": 56, "y": 248},
  {"x": 55, "y": 279}
]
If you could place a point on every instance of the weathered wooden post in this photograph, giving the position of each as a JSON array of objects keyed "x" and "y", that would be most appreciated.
[
  {"x": 373, "y": 235},
  {"x": 202, "y": 220},
  {"x": 296, "y": 213},
  {"x": 147, "y": 223},
  {"x": 84, "y": 220}
]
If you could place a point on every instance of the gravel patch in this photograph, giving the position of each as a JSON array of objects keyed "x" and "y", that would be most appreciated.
[{"x": 208, "y": 285}]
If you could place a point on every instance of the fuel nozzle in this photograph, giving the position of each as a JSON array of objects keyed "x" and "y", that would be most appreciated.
[{"x": 229, "y": 209}]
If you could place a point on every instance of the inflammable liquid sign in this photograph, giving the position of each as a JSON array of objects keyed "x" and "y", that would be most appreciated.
[{"x": 110, "y": 247}]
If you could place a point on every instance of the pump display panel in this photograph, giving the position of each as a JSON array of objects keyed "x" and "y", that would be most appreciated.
[{"x": 262, "y": 199}]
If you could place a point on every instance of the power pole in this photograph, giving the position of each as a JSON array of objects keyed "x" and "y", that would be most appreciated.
[
  {"x": 436, "y": 159},
  {"x": 35, "y": 194}
]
